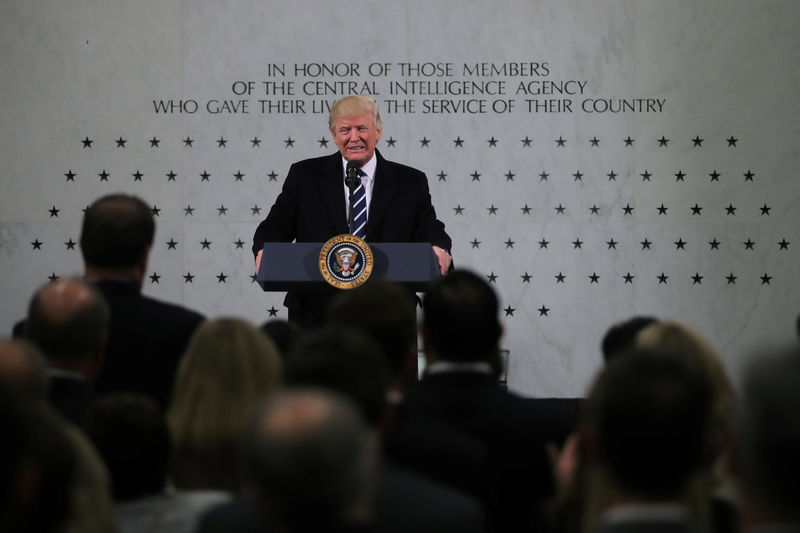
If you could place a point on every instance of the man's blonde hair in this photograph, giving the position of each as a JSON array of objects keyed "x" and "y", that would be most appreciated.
[{"x": 355, "y": 106}]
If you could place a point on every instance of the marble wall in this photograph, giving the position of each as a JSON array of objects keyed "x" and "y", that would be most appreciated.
[{"x": 595, "y": 160}]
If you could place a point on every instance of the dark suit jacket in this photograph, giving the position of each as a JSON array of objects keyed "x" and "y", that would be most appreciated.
[
  {"x": 311, "y": 208},
  {"x": 405, "y": 502},
  {"x": 518, "y": 468},
  {"x": 146, "y": 340},
  {"x": 71, "y": 398},
  {"x": 648, "y": 526}
]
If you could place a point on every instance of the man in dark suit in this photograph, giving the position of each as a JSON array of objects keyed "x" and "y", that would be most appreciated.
[
  {"x": 313, "y": 204},
  {"x": 461, "y": 334},
  {"x": 146, "y": 337},
  {"x": 647, "y": 420}
]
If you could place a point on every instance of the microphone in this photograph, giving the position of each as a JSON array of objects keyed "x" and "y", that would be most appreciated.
[{"x": 352, "y": 179}]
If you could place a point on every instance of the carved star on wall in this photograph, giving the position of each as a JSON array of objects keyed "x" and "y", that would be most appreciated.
[
  {"x": 543, "y": 244},
  {"x": 238, "y": 175},
  {"x": 205, "y": 175},
  {"x": 391, "y": 142},
  {"x": 188, "y": 211},
  {"x": 288, "y": 143},
  {"x": 543, "y": 311},
  {"x": 662, "y": 278},
  {"x": 155, "y": 210},
  {"x": 714, "y": 244},
  {"x": 748, "y": 176},
  {"x": 697, "y": 279},
  {"x": 510, "y": 176},
  {"x": 323, "y": 142},
  {"x": 154, "y": 142},
  {"x": 255, "y": 142},
  {"x": 120, "y": 142},
  {"x": 560, "y": 209},
  {"x": 578, "y": 176},
  {"x": 458, "y": 142},
  {"x": 206, "y": 244},
  {"x": 593, "y": 277},
  {"x": 612, "y": 244},
  {"x": 54, "y": 212},
  {"x": 87, "y": 142},
  {"x": 424, "y": 142},
  {"x": 492, "y": 142},
  {"x": 731, "y": 279},
  {"x": 577, "y": 244},
  {"x": 137, "y": 176},
  {"x": 594, "y": 210},
  {"x": 560, "y": 277},
  {"x": 696, "y": 210},
  {"x": 525, "y": 210},
  {"x": 239, "y": 243},
  {"x": 679, "y": 176},
  {"x": 714, "y": 175},
  {"x": 154, "y": 277},
  {"x": 627, "y": 210},
  {"x": 765, "y": 279},
  {"x": 731, "y": 210},
  {"x": 222, "y": 142},
  {"x": 492, "y": 277},
  {"x": 543, "y": 176},
  {"x": 560, "y": 142},
  {"x": 272, "y": 311},
  {"x": 53, "y": 277},
  {"x": 612, "y": 176},
  {"x": 663, "y": 141},
  {"x": 492, "y": 209},
  {"x": 171, "y": 175},
  {"x": 594, "y": 141},
  {"x": 458, "y": 209},
  {"x": 172, "y": 244},
  {"x": 628, "y": 278},
  {"x": 70, "y": 244},
  {"x": 222, "y": 278},
  {"x": 70, "y": 175},
  {"x": 272, "y": 176},
  {"x": 765, "y": 210},
  {"x": 732, "y": 140},
  {"x": 509, "y": 243},
  {"x": 645, "y": 244},
  {"x": 476, "y": 176},
  {"x": 646, "y": 175},
  {"x": 187, "y": 142},
  {"x": 749, "y": 244},
  {"x": 188, "y": 278},
  {"x": 442, "y": 175},
  {"x": 526, "y": 142},
  {"x": 526, "y": 278},
  {"x": 222, "y": 210},
  {"x": 680, "y": 244},
  {"x": 784, "y": 244},
  {"x": 628, "y": 141},
  {"x": 662, "y": 209},
  {"x": 255, "y": 210},
  {"x": 509, "y": 311},
  {"x": 475, "y": 243}
]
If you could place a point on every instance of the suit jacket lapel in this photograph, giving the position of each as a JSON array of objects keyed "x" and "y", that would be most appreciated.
[
  {"x": 330, "y": 182},
  {"x": 383, "y": 189}
]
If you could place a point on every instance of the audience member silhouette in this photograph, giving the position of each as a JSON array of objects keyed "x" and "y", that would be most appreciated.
[
  {"x": 622, "y": 336},
  {"x": 68, "y": 321},
  {"x": 228, "y": 367}
]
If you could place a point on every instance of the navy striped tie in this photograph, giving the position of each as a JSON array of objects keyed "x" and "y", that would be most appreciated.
[{"x": 360, "y": 209}]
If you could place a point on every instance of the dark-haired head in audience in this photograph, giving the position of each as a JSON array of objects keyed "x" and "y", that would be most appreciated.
[
  {"x": 68, "y": 320},
  {"x": 385, "y": 311},
  {"x": 283, "y": 333},
  {"x": 648, "y": 415},
  {"x": 768, "y": 452},
  {"x": 345, "y": 361},
  {"x": 37, "y": 472},
  {"x": 130, "y": 433},
  {"x": 622, "y": 336},
  {"x": 460, "y": 322},
  {"x": 116, "y": 236},
  {"x": 310, "y": 461}
]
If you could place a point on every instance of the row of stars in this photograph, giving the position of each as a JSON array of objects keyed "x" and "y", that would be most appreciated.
[
  {"x": 680, "y": 176},
  {"x": 560, "y": 209},
  {"x": 171, "y": 175},
  {"x": 425, "y": 142},
  {"x": 646, "y": 244},
  {"x": 577, "y": 244}
]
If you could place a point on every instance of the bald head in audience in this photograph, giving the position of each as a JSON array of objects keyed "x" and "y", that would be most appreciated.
[
  {"x": 68, "y": 321},
  {"x": 311, "y": 450},
  {"x": 23, "y": 368}
]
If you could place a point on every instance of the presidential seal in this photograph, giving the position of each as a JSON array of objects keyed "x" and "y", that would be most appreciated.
[{"x": 345, "y": 261}]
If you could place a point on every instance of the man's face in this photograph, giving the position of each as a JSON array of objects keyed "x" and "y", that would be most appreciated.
[{"x": 356, "y": 137}]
